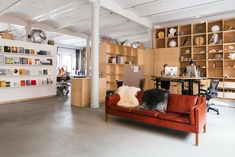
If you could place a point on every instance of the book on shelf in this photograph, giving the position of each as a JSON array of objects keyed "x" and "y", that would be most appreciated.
[{"x": 3, "y": 83}]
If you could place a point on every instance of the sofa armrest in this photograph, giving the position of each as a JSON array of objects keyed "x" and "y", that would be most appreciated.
[
  {"x": 200, "y": 114},
  {"x": 112, "y": 100},
  {"x": 139, "y": 96}
]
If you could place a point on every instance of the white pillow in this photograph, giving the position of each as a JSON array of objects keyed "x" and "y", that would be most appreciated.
[{"x": 127, "y": 96}]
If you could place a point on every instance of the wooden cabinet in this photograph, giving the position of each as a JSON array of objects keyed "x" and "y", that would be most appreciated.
[
  {"x": 80, "y": 91},
  {"x": 113, "y": 57}
]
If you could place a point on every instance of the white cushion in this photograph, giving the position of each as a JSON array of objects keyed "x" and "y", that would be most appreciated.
[{"x": 128, "y": 96}]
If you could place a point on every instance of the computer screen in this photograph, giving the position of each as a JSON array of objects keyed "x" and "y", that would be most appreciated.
[
  {"x": 191, "y": 71},
  {"x": 171, "y": 71}
]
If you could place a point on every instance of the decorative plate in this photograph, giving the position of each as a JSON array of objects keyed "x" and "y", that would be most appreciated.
[{"x": 161, "y": 34}]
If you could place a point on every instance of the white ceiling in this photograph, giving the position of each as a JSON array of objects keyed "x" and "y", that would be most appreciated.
[{"x": 119, "y": 19}]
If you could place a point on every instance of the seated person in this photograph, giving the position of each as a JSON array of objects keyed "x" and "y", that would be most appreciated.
[{"x": 165, "y": 84}]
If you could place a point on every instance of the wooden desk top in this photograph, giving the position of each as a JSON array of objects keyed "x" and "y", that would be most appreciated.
[{"x": 178, "y": 78}]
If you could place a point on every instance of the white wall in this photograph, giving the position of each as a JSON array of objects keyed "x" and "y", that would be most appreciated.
[{"x": 28, "y": 92}]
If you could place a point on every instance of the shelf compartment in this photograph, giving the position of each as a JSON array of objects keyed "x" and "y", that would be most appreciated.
[
  {"x": 199, "y": 28},
  {"x": 229, "y": 37},
  {"x": 160, "y": 30},
  {"x": 214, "y": 39},
  {"x": 168, "y": 31},
  {"x": 185, "y": 41},
  {"x": 213, "y": 23},
  {"x": 161, "y": 43},
  {"x": 185, "y": 30},
  {"x": 172, "y": 39},
  {"x": 229, "y": 24},
  {"x": 216, "y": 73}
]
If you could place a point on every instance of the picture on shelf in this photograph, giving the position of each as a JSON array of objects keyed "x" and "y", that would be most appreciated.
[
  {"x": 21, "y": 72},
  {"x": 28, "y": 82},
  {"x": 16, "y": 60},
  {"x": 15, "y": 72},
  {"x": 27, "y": 51},
  {"x": 2, "y": 83},
  {"x": 9, "y": 60},
  {"x": 32, "y": 52},
  {"x": 22, "y": 83},
  {"x": 33, "y": 83},
  {"x": 21, "y": 50},
  {"x": 8, "y": 84},
  {"x": 7, "y": 49},
  {"x": 14, "y": 49}
]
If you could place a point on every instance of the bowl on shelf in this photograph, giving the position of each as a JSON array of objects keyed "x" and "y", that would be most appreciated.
[
  {"x": 218, "y": 56},
  {"x": 199, "y": 40},
  {"x": 172, "y": 43}
]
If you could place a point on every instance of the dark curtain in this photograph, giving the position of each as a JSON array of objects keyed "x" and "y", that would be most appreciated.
[
  {"x": 77, "y": 61},
  {"x": 80, "y": 57}
]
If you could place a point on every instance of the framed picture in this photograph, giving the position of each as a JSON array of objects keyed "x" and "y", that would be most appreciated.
[
  {"x": 14, "y": 49},
  {"x": 26, "y": 51},
  {"x": 21, "y": 50},
  {"x": 7, "y": 49}
]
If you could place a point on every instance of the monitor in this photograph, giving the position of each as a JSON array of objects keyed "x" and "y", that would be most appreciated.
[
  {"x": 191, "y": 71},
  {"x": 171, "y": 71}
]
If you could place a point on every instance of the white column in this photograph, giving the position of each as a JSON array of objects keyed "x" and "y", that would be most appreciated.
[
  {"x": 28, "y": 31},
  {"x": 150, "y": 38},
  {"x": 95, "y": 55},
  {"x": 88, "y": 46}
]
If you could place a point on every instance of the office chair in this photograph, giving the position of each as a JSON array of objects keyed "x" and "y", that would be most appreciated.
[{"x": 211, "y": 92}]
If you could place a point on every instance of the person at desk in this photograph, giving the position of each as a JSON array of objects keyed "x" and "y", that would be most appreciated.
[
  {"x": 165, "y": 84},
  {"x": 61, "y": 73}
]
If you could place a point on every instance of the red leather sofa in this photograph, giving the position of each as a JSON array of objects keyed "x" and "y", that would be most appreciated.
[{"x": 185, "y": 113}]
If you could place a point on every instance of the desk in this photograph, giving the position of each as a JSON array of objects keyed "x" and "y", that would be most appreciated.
[{"x": 182, "y": 80}]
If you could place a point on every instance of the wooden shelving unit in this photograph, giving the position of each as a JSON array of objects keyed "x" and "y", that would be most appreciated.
[
  {"x": 211, "y": 51},
  {"x": 113, "y": 57}
]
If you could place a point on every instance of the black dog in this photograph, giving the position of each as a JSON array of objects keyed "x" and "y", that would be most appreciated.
[{"x": 155, "y": 99}]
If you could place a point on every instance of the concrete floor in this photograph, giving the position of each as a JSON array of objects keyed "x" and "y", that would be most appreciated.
[{"x": 51, "y": 128}]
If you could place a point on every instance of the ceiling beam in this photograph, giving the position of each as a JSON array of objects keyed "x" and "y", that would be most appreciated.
[
  {"x": 5, "y": 10},
  {"x": 18, "y": 21},
  {"x": 114, "y": 7}
]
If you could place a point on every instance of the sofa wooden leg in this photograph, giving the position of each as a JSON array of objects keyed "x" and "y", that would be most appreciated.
[
  {"x": 106, "y": 117},
  {"x": 204, "y": 128},
  {"x": 197, "y": 138}
]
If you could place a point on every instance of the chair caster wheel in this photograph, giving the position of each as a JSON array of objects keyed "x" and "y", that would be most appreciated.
[{"x": 217, "y": 113}]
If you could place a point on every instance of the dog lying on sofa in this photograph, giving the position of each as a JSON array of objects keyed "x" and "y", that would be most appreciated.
[{"x": 183, "y": 112}]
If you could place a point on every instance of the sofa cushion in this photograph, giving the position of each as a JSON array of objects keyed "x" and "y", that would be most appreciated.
[
  {"x": 128, "y": 96},
  {"x": 175, "y": 117},
  {"x": 144, "y": 112},
  {"x": 181, "y": 103},
  {"x": 120, "y": 108}
]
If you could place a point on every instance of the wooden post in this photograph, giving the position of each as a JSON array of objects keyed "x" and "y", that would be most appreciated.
[
  {"x": 204, "y": 128},
  {"x": 197, "y": 138}
]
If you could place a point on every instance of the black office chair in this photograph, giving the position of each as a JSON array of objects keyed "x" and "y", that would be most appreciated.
[{"x": 211, "y": 92}]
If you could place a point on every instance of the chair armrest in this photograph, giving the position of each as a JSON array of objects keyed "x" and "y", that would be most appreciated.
[{"x": 200, "y": 114}]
